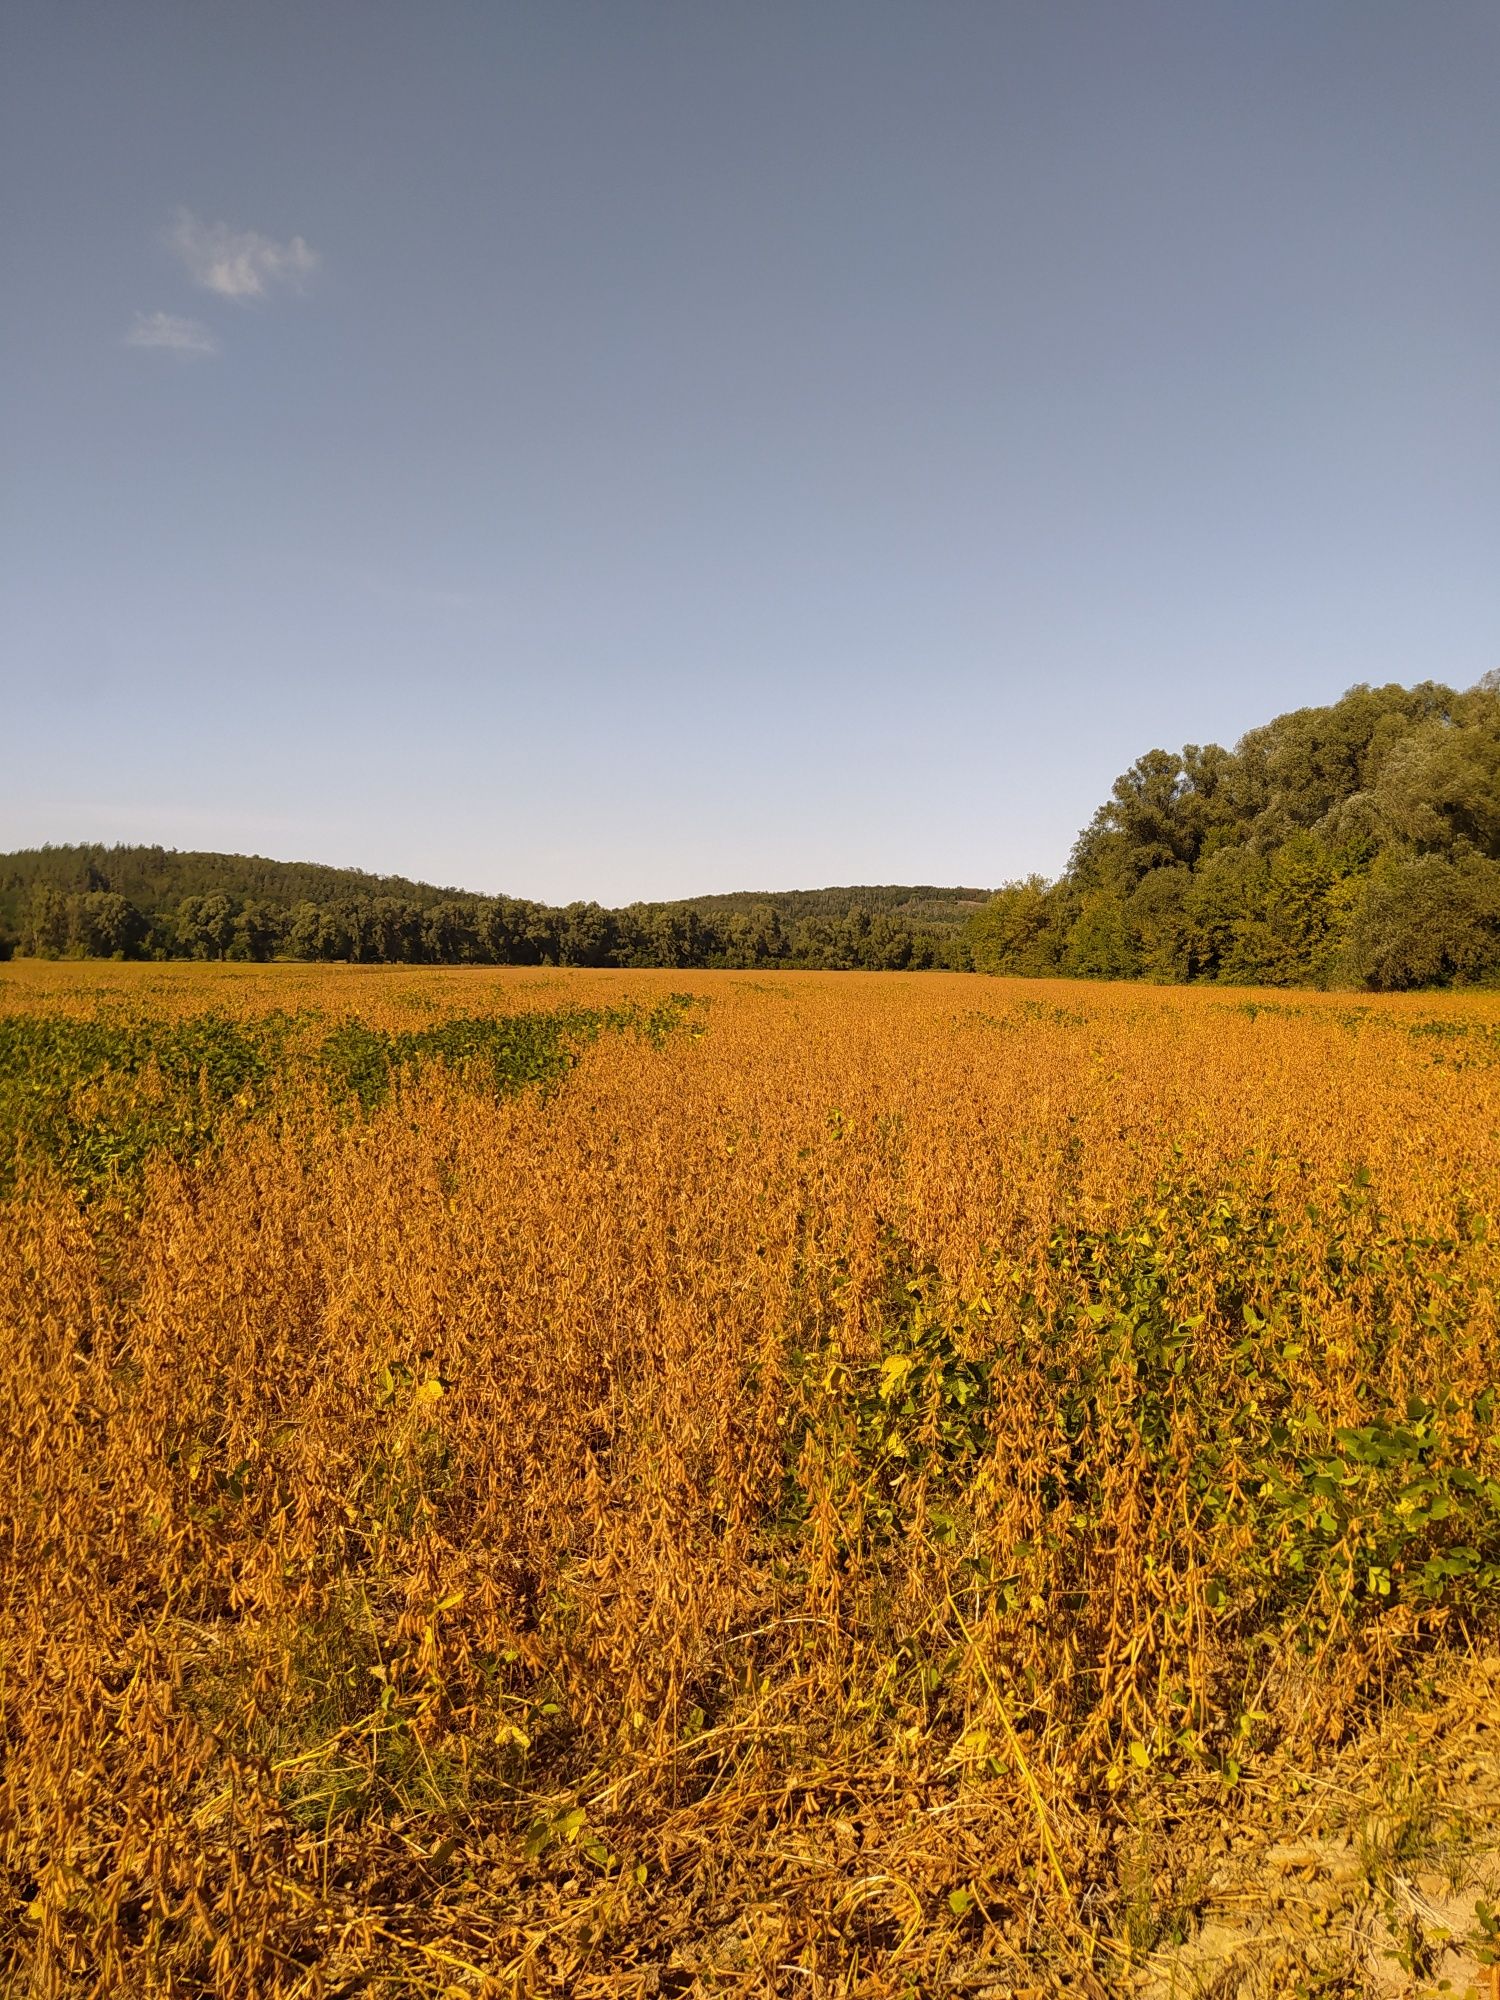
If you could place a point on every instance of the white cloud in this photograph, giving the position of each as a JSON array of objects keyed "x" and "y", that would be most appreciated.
[
  {"x": 169, "y": 330},
  {"x": 238, "y": 263}
]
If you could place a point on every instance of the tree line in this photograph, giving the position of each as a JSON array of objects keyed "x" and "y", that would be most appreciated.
[
  {"x": 1356, "y": 844},
  {"x": 474, "y": 930}
]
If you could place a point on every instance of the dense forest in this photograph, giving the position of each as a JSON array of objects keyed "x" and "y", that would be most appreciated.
[
  {"x": 1352, "y": 845},
  {"x": 1357, "y": 844},
  {"x": 151, "y": 902}
]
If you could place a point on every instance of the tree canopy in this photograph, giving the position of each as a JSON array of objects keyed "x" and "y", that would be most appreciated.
[{"x": 1355, "y": 844}]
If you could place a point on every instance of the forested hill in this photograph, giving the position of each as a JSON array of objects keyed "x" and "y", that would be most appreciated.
[
  {"x": 1357, "y": 845},
  {"x": 153, "y": 902},
  {"x": 157, "y": 878},
  {"x": 924, "y": 908}
]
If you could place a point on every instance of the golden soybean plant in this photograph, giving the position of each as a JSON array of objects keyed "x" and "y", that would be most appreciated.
[{"x": 763, "y": 1499}]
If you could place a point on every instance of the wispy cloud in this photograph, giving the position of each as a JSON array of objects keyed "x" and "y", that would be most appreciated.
[
  {"x": 238, "y": 263},
  {"x": 171, "y": 331}
]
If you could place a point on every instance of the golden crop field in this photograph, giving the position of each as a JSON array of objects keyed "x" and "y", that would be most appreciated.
[{"x": 811, "y": 1484}]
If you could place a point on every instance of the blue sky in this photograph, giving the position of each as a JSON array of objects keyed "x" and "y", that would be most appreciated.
[{"x": 644, "y": 448}]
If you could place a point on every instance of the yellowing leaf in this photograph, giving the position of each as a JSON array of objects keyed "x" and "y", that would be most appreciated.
[{"x": 895, "y": 1371}]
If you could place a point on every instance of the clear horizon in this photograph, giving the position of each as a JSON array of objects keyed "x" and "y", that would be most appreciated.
[{"x": 631, "y": 453}]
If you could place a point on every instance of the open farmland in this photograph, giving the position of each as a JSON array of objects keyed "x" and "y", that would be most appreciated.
[{"x": 634, "y": 1483}]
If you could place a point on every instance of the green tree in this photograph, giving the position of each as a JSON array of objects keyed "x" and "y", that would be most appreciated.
[
  {"x": 1150, "y": 820},
  {"x": 46, "y": 928},
  {"x": 102, "y": 924},
  {"x": 1426, "y": 922},
  {"x": 304, "y": 934},
  {"x": 753, "y": 937},
  {"x": 1223, "y": 910},
  {"x": 1099, "y": 944},
  {"x": 1016, "y": 931},
  {"x": 258, "y": 931},
  {"x": 1300, "y": 928},
  {"x": 1160, "y": 928},
  {"x": 586, "y": 935},
  {"x": 205, "y": 925},
  {"x": 450, "y": 933}
]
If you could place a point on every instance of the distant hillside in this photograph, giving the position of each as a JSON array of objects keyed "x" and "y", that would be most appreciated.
[
  {"x": 156, "y": 902},
  {"x": 938, "y": 909},
  {"x": 157, "y": 878}
]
